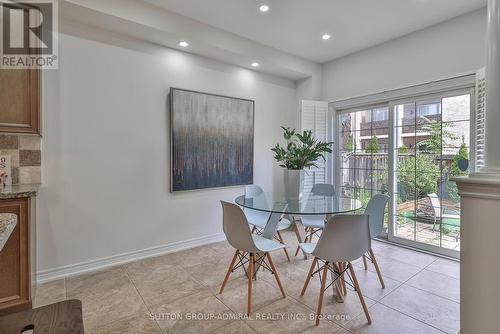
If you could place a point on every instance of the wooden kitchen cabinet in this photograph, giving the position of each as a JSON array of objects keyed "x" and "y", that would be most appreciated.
[
  {"x": 19, "y": 101},
  {"x": 17, "y": 258}
]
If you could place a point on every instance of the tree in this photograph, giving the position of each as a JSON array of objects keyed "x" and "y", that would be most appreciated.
[
  {"x": 373, "y": 146},
  {"x": 350, "y": 145},
  {"x": 440, "y": 136}
]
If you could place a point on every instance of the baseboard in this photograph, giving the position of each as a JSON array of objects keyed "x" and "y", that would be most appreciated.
[{"x": 93, "y": 265}]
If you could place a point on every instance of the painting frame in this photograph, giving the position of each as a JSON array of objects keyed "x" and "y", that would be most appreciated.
[{"x": 249, "y": 152}]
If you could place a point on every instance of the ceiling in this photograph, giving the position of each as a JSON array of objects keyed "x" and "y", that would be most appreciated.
[{"x": 296, "y": 26}]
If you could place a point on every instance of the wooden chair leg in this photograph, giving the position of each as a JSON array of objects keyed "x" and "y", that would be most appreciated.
[
  {"x": 360, "y": 295},
  {"x": 321, "y": 293},
  {"x": 297, "y": 251},
  {"x": 250, "y": 280},
  {"x": 311, "y": 270},
  {"x": 276, "y": 276},
  {"x": 364, "y": 262},
  {"x": 283, "y": 243},
  {"x": 372, "y": 255},
  {"x": 229, "y": 271}
]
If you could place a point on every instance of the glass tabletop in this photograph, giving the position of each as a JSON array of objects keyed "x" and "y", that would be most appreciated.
[{"x": 307, "y": 204}]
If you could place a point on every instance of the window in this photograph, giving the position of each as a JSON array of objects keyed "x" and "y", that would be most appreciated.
[
  {"x": 429, "y": 109},
  {"x": 363, "y": 152},
  {"x": 429, "y": 150},
  {"x": 410, "y": 149},
  {"x": 380, "y": 114}
]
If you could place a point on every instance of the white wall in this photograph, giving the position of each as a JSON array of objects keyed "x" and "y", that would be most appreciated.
[
  {"x": 445, "y": 50},
  {"x": 106, "y": 148}
]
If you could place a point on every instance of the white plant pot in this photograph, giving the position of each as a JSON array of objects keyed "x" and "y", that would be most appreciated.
[{"x": 294, "y": 183}]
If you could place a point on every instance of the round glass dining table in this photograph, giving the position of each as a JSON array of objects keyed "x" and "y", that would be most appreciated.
[
  {"x": 307, "y": 204},
  {"x": 279, "y": 205}
]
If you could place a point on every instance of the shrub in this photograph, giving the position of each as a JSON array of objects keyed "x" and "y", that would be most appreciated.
[
  {"x": 373, "y": 146},
  {"x": 425, "y": 178}
]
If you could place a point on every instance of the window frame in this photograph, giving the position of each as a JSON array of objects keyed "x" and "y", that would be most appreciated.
[{"x": 428, "y": 92}]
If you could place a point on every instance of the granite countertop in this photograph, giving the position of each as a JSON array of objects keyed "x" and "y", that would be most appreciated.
[
  {"x": 8, "y": 222},
  {"x": 19, "y": 190}
]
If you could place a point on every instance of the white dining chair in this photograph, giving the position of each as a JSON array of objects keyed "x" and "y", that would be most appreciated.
[
  {"x": 345, "y": 238},
  {"x": 375, "y": 211},
  {"x": 250, "y": 248},
  {"x": 315, "y": 223},
  {"x": 259, "y": 219}
]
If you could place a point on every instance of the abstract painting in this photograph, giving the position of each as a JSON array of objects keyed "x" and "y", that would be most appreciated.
[{"x": 212, "y": 140}]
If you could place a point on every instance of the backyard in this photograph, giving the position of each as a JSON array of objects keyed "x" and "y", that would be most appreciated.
[{"x": 431, "y": 147}]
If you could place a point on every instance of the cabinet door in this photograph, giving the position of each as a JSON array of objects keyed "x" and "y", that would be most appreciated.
[
  {"x": 15, "y": 259},
  {"x": 19, "y": 101}
]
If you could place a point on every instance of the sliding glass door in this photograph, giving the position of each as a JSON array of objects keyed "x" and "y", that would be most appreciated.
[
  {"x": 410, "y": 149},
  {"x": 364, "y": 147},
  {"x": 431, "y": 145}
]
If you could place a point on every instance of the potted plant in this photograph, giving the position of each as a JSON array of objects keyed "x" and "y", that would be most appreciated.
[{"x": 302, "y": 151}]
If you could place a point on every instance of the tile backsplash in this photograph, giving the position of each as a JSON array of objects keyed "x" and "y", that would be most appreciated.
[{"x": 26, "y": 160}]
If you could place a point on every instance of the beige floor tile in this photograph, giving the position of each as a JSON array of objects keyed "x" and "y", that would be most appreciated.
[
  {"x": 370, "y": 283},
  {"x": 296, "y": 262},
  {"x": 438, "y": 284},
  {"x": 433, "y": 310},
  {"x": 198, "y": 255},
  {"x": 288, "y": 316},
  {"x": 212, "y": 274},
  {"x": 342, "y": 331},
  {"x": 161, "y": 282},
  {"x": 446, "y": 267},
  {"x": 107, "y": 296},
  {"x": 137, "y": 324},
  {"x": 379, "y": 246},
  {"x": 397, "y": 270},
  {"x": 236, "y": 292},
  {"x": 96, "y": 283},
  {"x": 388, "y": 321},
  {"x": 198, "y": 313},
  {"x": 239, "y": 327},
  {"x": 405, "y": 255},
  {"x": 293, "y": 283},
  {"x": 222, "y": 248},
  {"x": 333, "y": 310},
  {"x": 49, "y": 293}
]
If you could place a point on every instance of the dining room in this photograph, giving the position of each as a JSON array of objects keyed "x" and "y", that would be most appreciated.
[{"x": 220, "y": 166}]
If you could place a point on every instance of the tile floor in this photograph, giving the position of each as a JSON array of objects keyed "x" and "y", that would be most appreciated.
[{"x": 159, "y": 295}]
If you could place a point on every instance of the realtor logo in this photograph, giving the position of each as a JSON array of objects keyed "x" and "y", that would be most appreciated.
[{"x": 29, "y": 34}]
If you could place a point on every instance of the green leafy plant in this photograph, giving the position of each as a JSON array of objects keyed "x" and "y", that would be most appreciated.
[
  {"x": 350, "y": 145},
  {"x": 425, "y": 179},
  {"x": 462, "y": 154},
  {"x": 440, "y": 136},
  {"x": 403, "y": 149},
  {"x": 373, "y": 145},
  {"x": 302, "y": 150}
]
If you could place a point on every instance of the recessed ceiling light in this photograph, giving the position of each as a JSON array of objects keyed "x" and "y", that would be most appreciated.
[
  {"x": 264, "y": 8},
  {"x": 183, "y": 44},
  {"x": 326, "y": 37},
  {"x": 255, "y": 64}
]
